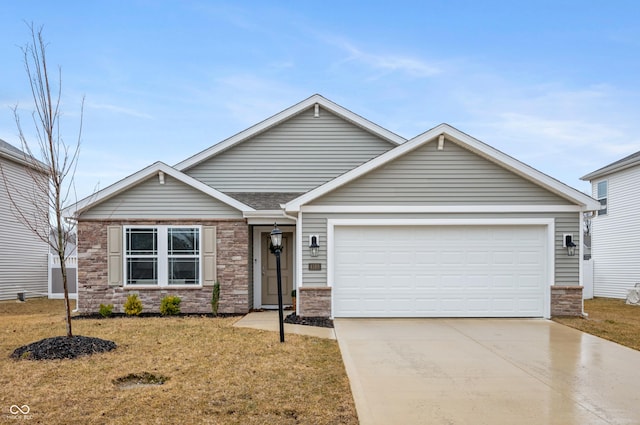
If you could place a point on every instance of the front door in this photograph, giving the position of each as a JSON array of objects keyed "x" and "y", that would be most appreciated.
[{"x": 269, "y": 271}]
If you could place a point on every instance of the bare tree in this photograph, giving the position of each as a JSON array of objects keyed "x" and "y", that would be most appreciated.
[{"x": 49, "y": 156}]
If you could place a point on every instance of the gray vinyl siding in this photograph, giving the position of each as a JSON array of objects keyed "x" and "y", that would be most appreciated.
[
  {"x": 453, "y": 176},
  {"x": 566, "y": 268},
  {"x": 294, "y": 156},
  {"x": 24, "y": 257},
  {"x": 150, "y": 199}
]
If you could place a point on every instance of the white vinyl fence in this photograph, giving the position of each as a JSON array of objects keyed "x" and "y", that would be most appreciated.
[
  {"x": 587, "y": 279},
  {"x": 56, "y": 288}
]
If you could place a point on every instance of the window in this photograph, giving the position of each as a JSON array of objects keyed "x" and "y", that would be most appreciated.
[
  {"x": 184, "y": 256},
  {"x": 142, "y": 256},
  {"x": 162, "y": 255},
  {"x": 602, "y": 197}
]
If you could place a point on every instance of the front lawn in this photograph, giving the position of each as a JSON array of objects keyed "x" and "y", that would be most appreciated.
[
  {"x": 611, "y": 319},
  {"x": 217, "y": 374}
]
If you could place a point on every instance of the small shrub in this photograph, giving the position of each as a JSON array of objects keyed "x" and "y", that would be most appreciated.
[
  {"x": 133, "y": 305},
  {"x": 106, "y": 310},
  {"x": 215, "y": 298},
  {"x": 170, "y": 305}
]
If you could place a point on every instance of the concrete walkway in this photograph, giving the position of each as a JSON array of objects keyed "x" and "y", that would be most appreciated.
[
  {"x": 268, "y": 320},
  {"x": 487, "y": 371}
]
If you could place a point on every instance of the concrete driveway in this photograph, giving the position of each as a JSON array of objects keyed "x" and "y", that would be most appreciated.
[{"x": 487, "y": 371}]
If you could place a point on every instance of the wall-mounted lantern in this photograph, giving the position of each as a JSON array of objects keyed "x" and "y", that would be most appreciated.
[
  {"x": 314, "y": 245},
  {"x": 567, "y": 242}
]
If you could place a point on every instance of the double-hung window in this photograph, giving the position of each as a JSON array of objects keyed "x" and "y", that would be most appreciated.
[
  {"x": 162, "y": 255},
  {"x": 183, "y": 256},
  {"x": 602, "y": 197}
]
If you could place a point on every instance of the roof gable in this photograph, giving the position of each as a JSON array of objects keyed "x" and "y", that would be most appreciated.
[
  {"x": 295, "y": 156},
  {"x": 619, "y": 165},
  {"x": 465, "y": 141},
  {"x": 429, "y": 176},
  {"x": 158, "y": 168},
  {"x": 285, "y": 115}
]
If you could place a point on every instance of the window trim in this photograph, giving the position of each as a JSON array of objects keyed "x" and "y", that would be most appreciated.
[
  {"x": 162, "y": 256},
  {"x": 605, "y": 210}
]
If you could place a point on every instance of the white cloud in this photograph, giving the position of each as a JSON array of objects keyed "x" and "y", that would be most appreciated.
[
  {"x": 385, "y": 63},
  {"x": 251, "y": 99},
  {"x": 118, "y": 110}
]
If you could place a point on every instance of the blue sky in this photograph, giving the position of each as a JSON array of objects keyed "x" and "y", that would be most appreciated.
[{"x": 555, "y": 84}]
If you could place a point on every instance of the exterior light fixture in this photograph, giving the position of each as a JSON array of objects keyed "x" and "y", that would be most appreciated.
[
  {"x": 569, "y": 244},
  {"x": 276, "y": 248},
  {"x": 314, "y": 246}
]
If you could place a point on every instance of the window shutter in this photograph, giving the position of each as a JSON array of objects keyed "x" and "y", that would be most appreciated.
[
  {"x": 114, "y": 255},
  {"x": 209, "y": 255}
]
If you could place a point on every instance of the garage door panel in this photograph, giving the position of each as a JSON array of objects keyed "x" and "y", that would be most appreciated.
[
  {"x": 402, "y": 282},
  {"x": 478, "y": 282},
  {"x": 530, "y": 282},
  {"x": 504, "y": 282},
  {"x": 452, "y": 257},
  {"x": 477, "y": 258},
  {"x": 439, "y": 271}
]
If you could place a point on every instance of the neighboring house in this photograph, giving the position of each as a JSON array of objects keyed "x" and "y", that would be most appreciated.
[
  {"x": 615, "y": 228},
  {"x": 441, "y": 225},
  {"x": 23, "y": 255}
]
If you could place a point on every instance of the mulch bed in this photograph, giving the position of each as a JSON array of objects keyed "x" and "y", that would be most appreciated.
[
  {"x": 62, "y": 347},
  {"x": 321, "y": 322}
]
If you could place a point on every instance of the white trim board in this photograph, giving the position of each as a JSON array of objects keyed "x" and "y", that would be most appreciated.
[{"x": 438, "y": 208}]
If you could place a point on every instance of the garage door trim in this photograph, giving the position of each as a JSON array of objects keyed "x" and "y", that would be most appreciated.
[{"x": 548, "y": 222}]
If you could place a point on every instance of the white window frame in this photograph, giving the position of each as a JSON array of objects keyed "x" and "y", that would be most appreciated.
[
  {"x": 162, "y": 256},
  {"x": 605, "y": 210}
]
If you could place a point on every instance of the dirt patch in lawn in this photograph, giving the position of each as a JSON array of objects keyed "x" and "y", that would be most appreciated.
[
  {"x": 609, "y": 318},
  {"x": 217, "y": 373},
  {"x": 137, "y": 380}
]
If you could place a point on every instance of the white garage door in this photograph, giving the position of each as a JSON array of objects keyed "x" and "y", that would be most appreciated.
[{"x": 439, "y": 271}]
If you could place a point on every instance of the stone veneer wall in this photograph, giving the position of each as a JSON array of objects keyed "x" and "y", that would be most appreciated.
[
  {"x": 566, "y": 301},
  {"x": 314, "y": 301},
  {"x": 232, "y": 258}
]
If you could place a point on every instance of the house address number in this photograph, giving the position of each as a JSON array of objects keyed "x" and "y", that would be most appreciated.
[{"x": 315, "y": 266}]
